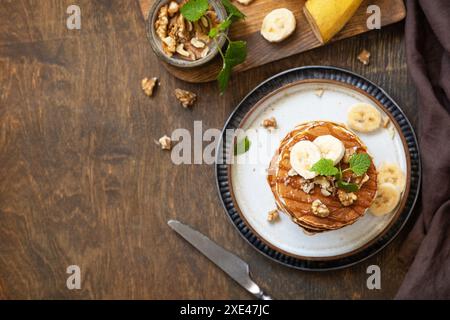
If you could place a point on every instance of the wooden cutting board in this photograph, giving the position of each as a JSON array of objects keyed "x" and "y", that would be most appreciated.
[{"x": 261, "y": 52}]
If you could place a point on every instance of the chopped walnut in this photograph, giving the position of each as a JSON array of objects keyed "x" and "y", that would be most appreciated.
[
  {"x": 364, "y": 57},
  {"x": 197, "y": 43},
  {"x": 170, "y": 45},
  {"x": 162, "y": 22},
  {"x": 306, "y": 185},
  {"x": 148, "y": 85},
  {"x": 204, "y": 22},
  {"x": 270, "y": 123},
  {"x": 173, "y": 8},
  {"x": 319, "y": 209},
  {"x": 326, "y": 184},
  {"x": 273, "y": 216},
  {"x": 322, "y": 182},
  {"x": 361, "y": 180},
  {"x": 346, "y": 198},
  {"x": 348, "y": 154},
  {"x": 185, "y": 97},
  {"x": 165, "y": 142}
]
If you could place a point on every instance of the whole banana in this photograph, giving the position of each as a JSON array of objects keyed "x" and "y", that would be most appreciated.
[{"x": 328, "y": 17}]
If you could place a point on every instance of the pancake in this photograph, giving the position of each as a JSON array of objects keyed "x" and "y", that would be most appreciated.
[{"x": 291, "y": 199}]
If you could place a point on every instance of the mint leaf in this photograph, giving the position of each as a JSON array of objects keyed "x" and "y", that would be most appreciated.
[
  {"x": 242, "y": 146},
  {"x": 325, "y": 167},
  {"x": 232, "y": 10},
  {"x": 213, "y": 32},
  {"x": 235, "y": 54},
  {"x": 225, "y": 24},
  {"x": 221, "y": 27},
  {"x": 347, "y": 186},
  {"x": 224, "y": 77},
  {"x": 360, "y": 163},
  {"x": 194, "y": 9}
]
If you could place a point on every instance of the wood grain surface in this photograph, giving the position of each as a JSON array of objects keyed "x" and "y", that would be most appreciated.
[
  {"x": 82, "y": 181},
  {"x": 261, "y": 51}
]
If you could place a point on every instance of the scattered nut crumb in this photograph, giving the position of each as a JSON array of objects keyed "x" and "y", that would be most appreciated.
[
  {"x": 346, "y": 198},
  {"x": 364, "y": 57},
  {"x": 273, "y": 216},
  {"x": 148, "y": 85},
  {"x": 270, "y": 123},
  {"x": 319, "y": 209},
  {"x": 186, "y": 98},
  {"x": 386, "y": 121},
  {"x": 165, "y": 142},
  {"x": 319, "y": 92}
]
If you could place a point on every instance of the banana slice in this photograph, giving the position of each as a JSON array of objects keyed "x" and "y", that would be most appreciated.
[
  {"x": 330, "y": 147},
  {"x": 386, "y": 200},
  {"x": 391, "y": 173},
  {"x": 278, "y": 25},
  {"x": 304, "y": 155},
  {"x": 363, "y": 117}
]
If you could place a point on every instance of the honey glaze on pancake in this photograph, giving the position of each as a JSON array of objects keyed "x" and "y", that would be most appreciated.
[{"x": 294, "y": 201}]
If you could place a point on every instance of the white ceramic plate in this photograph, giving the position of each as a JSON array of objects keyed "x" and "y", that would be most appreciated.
[
  {"x": 294, "y": 105},
  {"x": 292, "y": 98}
]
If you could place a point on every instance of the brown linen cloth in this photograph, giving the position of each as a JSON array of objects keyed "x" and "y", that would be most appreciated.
[{"x": 428, "y": 57}]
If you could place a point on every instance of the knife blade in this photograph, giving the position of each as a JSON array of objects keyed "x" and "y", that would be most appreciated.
[{"x": 231, "y": 264}]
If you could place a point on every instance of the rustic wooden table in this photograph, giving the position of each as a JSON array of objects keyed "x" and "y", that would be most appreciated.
[{"x": 82, "y": 182}]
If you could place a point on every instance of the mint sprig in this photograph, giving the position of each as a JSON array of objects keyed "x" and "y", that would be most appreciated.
[
  {"x": 236, "y": 51},
  {"x": 359, "y": 163},
  {"x": 325, "y": 167},
  {"x": 232, "y": 10},
  {"x": 236, "y": 54}
]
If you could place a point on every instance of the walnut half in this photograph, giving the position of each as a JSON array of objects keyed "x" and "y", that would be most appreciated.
[
  {"x": 347, "y": 198},
  {"x": 270, "y": 123},
  {"x": 273, "y": 216},
  {"x": 165, "y": 142},
  {"x": 364, "y": 57},
  {"x": 148, "y": 85},
  {"x": 186, "y": 98},
  {"x": 319, "y": 209}
]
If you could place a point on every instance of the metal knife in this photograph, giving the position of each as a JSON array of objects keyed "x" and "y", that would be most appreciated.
[{"x": 234, "y": 266}]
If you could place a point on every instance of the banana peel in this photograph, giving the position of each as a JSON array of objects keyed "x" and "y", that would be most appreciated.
[{"x": 328, "y": 17}]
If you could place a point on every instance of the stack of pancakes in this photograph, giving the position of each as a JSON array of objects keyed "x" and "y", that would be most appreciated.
[{"x": 287, "y": 187}]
